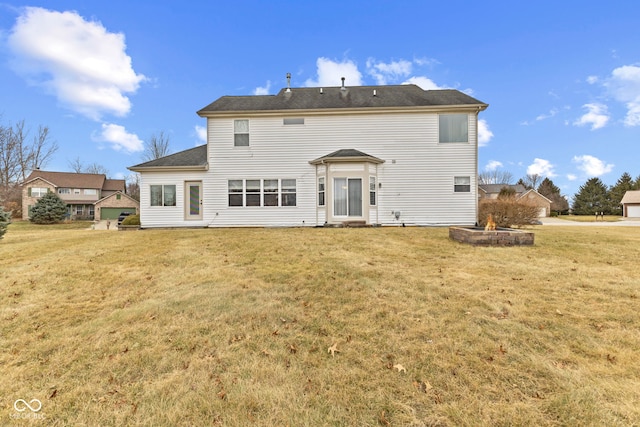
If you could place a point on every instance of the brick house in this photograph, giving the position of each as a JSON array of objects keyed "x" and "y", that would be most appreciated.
[{"x": 88, "y": 196}]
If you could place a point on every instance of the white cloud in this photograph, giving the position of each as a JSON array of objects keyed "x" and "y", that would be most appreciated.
[
  {"x": 263, "y": 90},
  {"x": 119, "y": 138},
  {"x": 484, "y": 133},
  {"x": 548, "y": 115},
  {"x": 330, "y": 72},
  {"x": 424, "y": 82},
  {"x": 592, "y": 166},
  {"x": 597, "y": 116},
  {"x": 541, "y": 167},
  {"x": 571, "y": 177},
  {"x": 384, "y": 73},
  {"x": 493, "y": 165},
  {"x": 592, "y": 79},
  {"x": 624, "y": 85},
  {"x": 201, "y": 132},
  {"x": 80, "y": 62}
]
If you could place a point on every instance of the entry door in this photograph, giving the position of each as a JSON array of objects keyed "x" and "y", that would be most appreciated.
[
  {"x": 347, "y": 197},
  {"x": 193, "y": 200}
]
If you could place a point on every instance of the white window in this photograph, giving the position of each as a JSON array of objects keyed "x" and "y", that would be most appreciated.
[
  {"x": 64, "y": 191},
  {"x": 462, "y": 184},
  {"x": 76, "y": 191},
  {"x": 241, "y": 133},
  {"x": 90, "y": 192},
  {"x": 38, "y": 191},
  {"x": 236, "y": 190},
  {"x": 372, "y": 190},
  {"x": 163, "y": 195},
  {"x": 454, "y": 127},
  {"x": 288, "y": 192},
  {"x": 321, "y": 191},
  {"x": 262, "y": 192}
]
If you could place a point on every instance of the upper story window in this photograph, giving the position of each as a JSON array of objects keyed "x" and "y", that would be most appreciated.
[
  {"x": 454, "y": 127},
  {"x": 76, "y": 191},
  {"x": 241, "y": 133},
  {"x": 90, "y": 192},
  {"x": 64, "y": 191},
  {"x": 37, "y": 191},
  {"x": 462, "y": 184},
  {"x": 163, "y": 195},
  {"x": 293, "y": 121}
]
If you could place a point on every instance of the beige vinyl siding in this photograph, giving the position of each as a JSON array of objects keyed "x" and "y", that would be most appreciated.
[{"x": 419, "y": 183}]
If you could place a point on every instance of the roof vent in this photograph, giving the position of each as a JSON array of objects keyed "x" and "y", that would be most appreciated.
[
  {"x": 375, "y": 93},
  {"x": 288, "y": 82},
  {"x": 342, "y": 88},
  {"x": 321, "y": 91}
]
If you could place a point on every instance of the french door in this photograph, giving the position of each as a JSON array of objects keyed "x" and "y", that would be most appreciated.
[{"x": 347, "y": 197}]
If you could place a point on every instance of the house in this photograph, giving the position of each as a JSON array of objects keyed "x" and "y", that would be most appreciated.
[
  {"x": 87, "y": 195},
  {"x": 375, "y": 155},
  {"x": 491, "y": 191},
  {"x": 631, "y": 204}
]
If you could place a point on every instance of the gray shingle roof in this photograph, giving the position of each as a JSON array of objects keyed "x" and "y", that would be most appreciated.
[
  {"x": 69, "y": 179},
  {"x": 347, "y": 155},
  {"x": 395, "y": 96},
  {"x": 495, "y": 188},
  {"x": 192, "y": 158}
]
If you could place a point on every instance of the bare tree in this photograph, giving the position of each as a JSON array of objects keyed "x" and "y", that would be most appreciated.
[
  {"x": 495, "y": 177},
  {"x": 531, "y": 181},
  {"x": 96, "y": 169},
  {"x": 76, "y": 165},
  {"x": 157, "y": 146},
  {"x": 18, "y": 156},
  {"x": 133, "y": 186}
]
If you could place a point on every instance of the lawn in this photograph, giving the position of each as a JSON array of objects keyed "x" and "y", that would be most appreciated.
[{"x": 318, "y": 327}]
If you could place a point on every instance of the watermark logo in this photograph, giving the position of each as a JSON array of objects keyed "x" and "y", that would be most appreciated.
[
  {"x": 21, "y": 405},
  {"x": 27, "y": 410}
]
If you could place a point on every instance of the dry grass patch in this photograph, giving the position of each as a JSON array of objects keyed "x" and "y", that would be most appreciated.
[{"x": 234, "y": 327}]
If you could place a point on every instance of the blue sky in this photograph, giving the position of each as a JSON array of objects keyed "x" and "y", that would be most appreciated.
[{"x": 562, "y": 79}]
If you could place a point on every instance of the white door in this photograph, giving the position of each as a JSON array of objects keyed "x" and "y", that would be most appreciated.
[{"x": 193, "y": 200}]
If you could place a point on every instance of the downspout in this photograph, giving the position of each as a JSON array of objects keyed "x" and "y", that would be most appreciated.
[{"x": 475, "y": 187}]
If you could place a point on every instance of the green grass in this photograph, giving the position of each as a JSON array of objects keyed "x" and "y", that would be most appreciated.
[{"x": 232, "y": 327}]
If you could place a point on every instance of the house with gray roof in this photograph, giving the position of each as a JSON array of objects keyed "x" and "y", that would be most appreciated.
[
  {"x": 520, "y": 192},
  {"x": 373, "y": 155}
]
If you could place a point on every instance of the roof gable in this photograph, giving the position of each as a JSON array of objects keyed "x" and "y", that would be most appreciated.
[
  {"x": 340, "y": 98},
  {"x": 631, "y": 196}
]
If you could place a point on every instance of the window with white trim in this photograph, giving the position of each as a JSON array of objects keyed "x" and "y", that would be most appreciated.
[
  {"x": 241, "y": 133},
  {"x": 372, "y": 191},
  {"x": 64, "y": 191},
  {"x": 261, "y": 192},
  {"x": 90, "y": 192},
  {"x": 321, "y": 191},
  {"x": 462, "y": 184},
  {"x": 163, "y": 195},
  {"x": 453, "y": 127},
  {"x": 38, "y": 191}
]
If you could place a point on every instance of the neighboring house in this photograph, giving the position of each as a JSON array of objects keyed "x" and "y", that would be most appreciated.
[
  {"x": 631, "y": 204},
  {"x": 378, "y": 155},
  {"x": 491, "y": 191},
  {"x": 88, "y": 196}
]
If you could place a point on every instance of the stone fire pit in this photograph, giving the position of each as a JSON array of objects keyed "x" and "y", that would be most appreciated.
[{"x": 478, "y": 236}]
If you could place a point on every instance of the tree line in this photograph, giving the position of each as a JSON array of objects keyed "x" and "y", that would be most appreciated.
[{"x": 593, "y": 196}]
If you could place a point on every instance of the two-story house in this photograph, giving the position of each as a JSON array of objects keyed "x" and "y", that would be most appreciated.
[
  {"x": 520, "y": 192},
  {"x": 87, "y": 195},
  {"x": 378, "y": 155}
]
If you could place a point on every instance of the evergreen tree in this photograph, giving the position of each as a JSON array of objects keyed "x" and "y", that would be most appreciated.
[
  {"x": 5, "y": 220},
  {"x": 591, "y": 198},
  {"x": 549, "y": 190},
  {"x": 616, "y": 192},
  {"x": 48, "y": 210}
]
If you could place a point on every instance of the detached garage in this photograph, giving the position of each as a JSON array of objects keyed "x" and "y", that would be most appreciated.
[
  {"x": 110, "y": 207},
  {"x": 631, "y": 204}
]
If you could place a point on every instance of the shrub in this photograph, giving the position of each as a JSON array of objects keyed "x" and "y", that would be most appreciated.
[
  {"x": 507, "y": 212},
  {"x": 49, "y": 209},
  {"x": 131, "y": 220},
  {"x": 5, "y": 220}
]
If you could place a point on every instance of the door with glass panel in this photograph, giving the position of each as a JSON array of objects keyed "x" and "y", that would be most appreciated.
[
  {"x": 347, "y": 197},
  {"x": 193, "y": 200}
]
